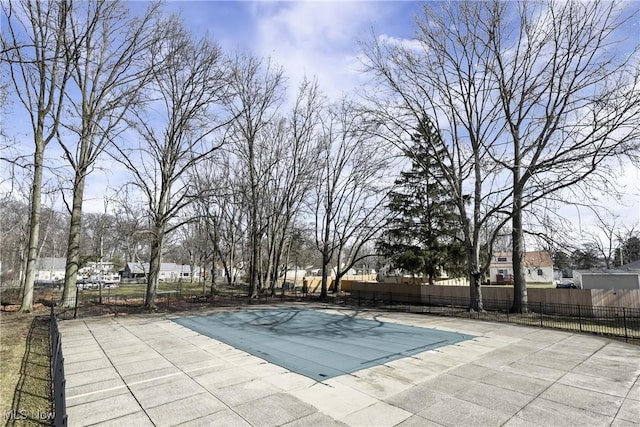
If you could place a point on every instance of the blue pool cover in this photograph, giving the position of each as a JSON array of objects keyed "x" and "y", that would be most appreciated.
[{"x": 316, "y": 344}]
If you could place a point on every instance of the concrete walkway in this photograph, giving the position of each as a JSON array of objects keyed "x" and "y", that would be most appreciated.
[{"x": 150, "y": 371}]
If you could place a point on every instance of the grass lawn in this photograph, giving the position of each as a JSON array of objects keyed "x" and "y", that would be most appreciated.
[
  {"x": 139, "y": 290},
  {"x": 25, "y": 375}
]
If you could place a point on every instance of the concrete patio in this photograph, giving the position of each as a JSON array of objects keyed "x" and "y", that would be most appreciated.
[{"x": 151, "y": 371}]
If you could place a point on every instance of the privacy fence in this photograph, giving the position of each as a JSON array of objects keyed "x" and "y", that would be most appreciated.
[{"x": 615, "y": 322}]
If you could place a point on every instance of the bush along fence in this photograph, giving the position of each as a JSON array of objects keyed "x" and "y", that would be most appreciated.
[
  {"x": 615, "y": 322},
  {"x": 57, "y": 373}
]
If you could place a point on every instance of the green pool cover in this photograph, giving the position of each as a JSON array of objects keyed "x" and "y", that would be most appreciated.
[{"x": 319, "y": 345}]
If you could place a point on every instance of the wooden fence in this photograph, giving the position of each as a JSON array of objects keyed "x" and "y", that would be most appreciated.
[{"x": 629, "y": 298}]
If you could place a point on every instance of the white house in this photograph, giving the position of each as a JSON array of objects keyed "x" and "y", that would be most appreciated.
[
  {"x": 537, "y": 265},
  {"x": 169, "y": 271},
  {"x": 98, "y": 270},
  {"x": 50, "y": 269}
]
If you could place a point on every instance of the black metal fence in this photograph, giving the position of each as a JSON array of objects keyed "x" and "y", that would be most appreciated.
[
  {"x": 614, "y": 322},
  {"x": 129, "y": 300},
  {"x": 57, "y": 374}
]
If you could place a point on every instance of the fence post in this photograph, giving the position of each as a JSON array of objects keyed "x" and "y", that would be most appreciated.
[
  {"x": 624, "y": 319},
  {"x": 541, "y": 321},
  {"x": 75, "y": 306},
  {"x": 579, "y": 318}
]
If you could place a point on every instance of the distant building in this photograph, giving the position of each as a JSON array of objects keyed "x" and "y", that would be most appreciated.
[
  {"x": 96, "y": 270},
  {"x": 624, "y": 277},
  {"x": 537, "y": 266},
  {"x": 169, "y": 271},
  {"x": 50, "y": 269}
]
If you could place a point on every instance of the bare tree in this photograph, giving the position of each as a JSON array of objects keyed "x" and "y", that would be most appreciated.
[
  {"x": 131, "y": 227},
  {"x": 220, "y": 211},
  {"x": 529, "y": 88},
  {"x": 258, "y": 87},
  {"x": 177, "y": 130},
  {"x": 436, "y": 85},
  {"x": 605, "y": 236},
  {"x": 34, "y": 47},
  {"x": 569, "y": 104},
  {"x": 295, "y": 152},
  {"x": 106, "y": 46},
  {"x": 350, "y": 191},
  {"x": 14, "y": 213}
]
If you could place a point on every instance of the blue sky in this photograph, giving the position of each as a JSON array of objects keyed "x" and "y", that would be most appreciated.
[
  {"x": 322, "y": 39},
  {"x": 317, "y": 38},
  {"x": 314, "y": 39}
]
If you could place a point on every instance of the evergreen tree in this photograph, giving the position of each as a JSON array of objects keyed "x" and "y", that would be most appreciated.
[
  {"x": 422, "y": 236},
  {"x": 629, "y": 249},
  {"x": 585, "y": 258}
]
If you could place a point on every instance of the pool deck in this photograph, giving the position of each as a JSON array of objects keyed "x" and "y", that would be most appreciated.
[{"x": 151, "y": 371}]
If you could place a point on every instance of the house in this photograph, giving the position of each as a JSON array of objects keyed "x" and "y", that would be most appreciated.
[
  {"x": 169, "y": 271},
  {"x": 623, "y": 277},
  {"x": 50, "y": 269},
  {"x": 97, "y": 270},
  {"x": 537, "y": 265},
  {"x": 501, "y": 269}
]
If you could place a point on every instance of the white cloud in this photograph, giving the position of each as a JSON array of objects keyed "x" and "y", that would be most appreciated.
[
  {"x": 317, "y": 39},
  {"x": 409, "y": 44}
]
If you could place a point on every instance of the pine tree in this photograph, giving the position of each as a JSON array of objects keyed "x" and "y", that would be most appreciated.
[{"x": 422, "y": 238}]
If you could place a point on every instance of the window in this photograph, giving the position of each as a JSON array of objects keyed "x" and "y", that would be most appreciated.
[
  {"x": 502, "y": 271},
  {"x": 540, "y": 272},
  {"x": 502, "y": 259}
]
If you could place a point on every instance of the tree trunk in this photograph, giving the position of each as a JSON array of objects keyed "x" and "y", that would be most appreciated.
[
  {"x": 337, "y": 283},
  {"x": 325, "y": 272},
  {"x": 253, "y": 265},
  {"x": 520, "y": 298},
  {"x": 213, "y": 279},
  {"x": 475, "y": 280},
  {"x": 34, "y": 227},
  {"x": 73, "y": 250},
  {"x": 154, "y": 269}
]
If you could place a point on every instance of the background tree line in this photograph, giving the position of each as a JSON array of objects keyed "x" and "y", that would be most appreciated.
[{"x": 496, "y": 114}]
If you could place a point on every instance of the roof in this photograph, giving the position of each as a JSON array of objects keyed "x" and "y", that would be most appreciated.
[
  {"x": 49, "y": 263},
  {"x": 611, "y": 271},
  {"x": 531, "y": 259},
  {"x": 538, "y": 259},
  {"x": 635, "y": 265}
]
